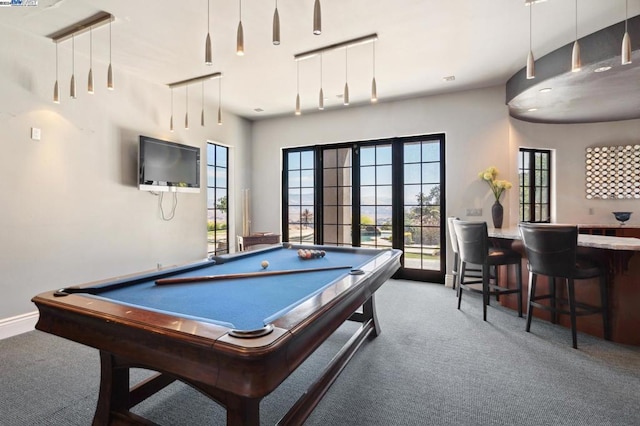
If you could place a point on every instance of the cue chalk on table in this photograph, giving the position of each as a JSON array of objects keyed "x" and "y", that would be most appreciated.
[{"x": 184, "y": 280}]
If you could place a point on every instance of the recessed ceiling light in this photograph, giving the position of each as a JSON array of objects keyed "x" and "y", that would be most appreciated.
[
  {"x": 530, "y": 2},
  {"x": 258, "y": 110},
  {"x": 532, "y": 109},
  {"x": 449, "y": 78},
  {"x": 545, "y": 90},
  {"x": 602, "y": 69}
]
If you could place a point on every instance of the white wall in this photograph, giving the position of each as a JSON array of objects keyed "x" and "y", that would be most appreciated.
[
  {"x": 479, "y": 133},
  {"x": 71, "y": 211},
  {"x": 569, "y": 142},
  {"x": 475, "y": 124}
]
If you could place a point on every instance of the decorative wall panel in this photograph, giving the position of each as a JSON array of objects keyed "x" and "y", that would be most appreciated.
[{"x": 613, "y": 172}]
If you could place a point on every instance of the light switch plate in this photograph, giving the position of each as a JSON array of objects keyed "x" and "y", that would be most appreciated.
[{"x": 35, "y": 133}]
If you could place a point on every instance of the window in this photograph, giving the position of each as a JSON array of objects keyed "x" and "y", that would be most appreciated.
[
  {"x": 376, "y": 194},
  {"x": 299, "y": 195},
  {"x": 534, "y": 166},
  {"x": 217, "y": 193}
]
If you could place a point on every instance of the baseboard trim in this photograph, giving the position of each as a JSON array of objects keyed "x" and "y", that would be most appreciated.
[
  {"x": 17, "y": 325},
  {"x": 448, "y": 280}
]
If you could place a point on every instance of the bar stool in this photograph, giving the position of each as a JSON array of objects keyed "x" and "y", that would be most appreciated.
[
  {"x": 473, "y": 242},
  {"x": 470, "y": 272},
  {"x": 551, "y": 251}
]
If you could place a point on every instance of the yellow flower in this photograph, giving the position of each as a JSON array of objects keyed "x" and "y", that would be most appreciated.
[{"x": 497, "y": 185}]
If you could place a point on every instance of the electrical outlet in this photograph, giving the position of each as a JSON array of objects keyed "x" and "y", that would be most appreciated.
[{"x": 474, "y": 212}]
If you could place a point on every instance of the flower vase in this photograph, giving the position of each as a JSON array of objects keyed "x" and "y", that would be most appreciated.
[{"x": 497, "y": 213}]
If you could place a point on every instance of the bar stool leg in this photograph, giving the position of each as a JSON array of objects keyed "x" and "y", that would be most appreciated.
[
  {"x": 455, "y": 269},
  {"x": 532, "y": 293},
  {"x": 463, "y": 266},
  {"x": 485, "y": 291},
  {"x": 552, "y": 300},
  {"x": 572, "y": 310},
  {"x": 518, "y": 267},
  {"x": 604, "y": 303}
]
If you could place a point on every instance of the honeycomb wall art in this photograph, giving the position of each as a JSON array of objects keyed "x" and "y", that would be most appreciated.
[{"x": 613, "y": 172}]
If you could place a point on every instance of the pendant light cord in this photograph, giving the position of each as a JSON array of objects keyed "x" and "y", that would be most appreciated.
[
  {"x": 576, "y": 20},
  {"x": 530, "y": 24},
  {"x": 626, "y": 14}
]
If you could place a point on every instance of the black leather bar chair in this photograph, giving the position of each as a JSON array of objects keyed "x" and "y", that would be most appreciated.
[
  {"x": 473, "y": 242},
  {"x": 455, "y": 270},
  {"x": 552, "y": 251}
]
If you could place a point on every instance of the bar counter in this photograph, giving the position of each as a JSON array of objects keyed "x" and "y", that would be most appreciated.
[{"x": 621, "y": 256}]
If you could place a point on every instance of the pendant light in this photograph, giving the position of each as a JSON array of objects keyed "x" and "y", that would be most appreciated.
[
  {"x": 171, "y": 119},
  {"x": 276, "y": 26},
  {"x": 72, "y": 89},
  {"x": 531, "y": 62},
  {"x": 90, "y": 79},
  {"x": 240, "y": 38},
  {"x": 207, "y": 43},
  {"x": 186, "y": 114},
  {"x": 110, "y": 85},
  {"x": 219, "y": 101},
  {"x": 317, "y": 18},
  {"x": 202, "y": 112},
  {"x": 576, "y": 63},
  {"x": 374, "y": 86},
  {"x": 626, "y": 40},
  {"x": 321, "y": 94},
  {"x": 298, "y": 111},
  {"x": 345, "y": 98},
  {"x": 56, "y": 91}
]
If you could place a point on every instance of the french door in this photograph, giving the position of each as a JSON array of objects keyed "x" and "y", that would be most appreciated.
[{"x": 383, "y": 193}]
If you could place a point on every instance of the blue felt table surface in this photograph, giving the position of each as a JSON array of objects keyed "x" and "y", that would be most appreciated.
[{"x": 246, "y": 303}]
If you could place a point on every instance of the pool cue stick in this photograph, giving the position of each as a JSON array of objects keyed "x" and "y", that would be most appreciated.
[{"x": 183, "y": 280}]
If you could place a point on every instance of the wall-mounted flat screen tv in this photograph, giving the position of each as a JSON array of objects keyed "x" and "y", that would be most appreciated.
[{"x": 168, "y": 166}]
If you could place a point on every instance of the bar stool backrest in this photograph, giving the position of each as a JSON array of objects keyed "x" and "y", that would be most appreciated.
[
  {"x": 473, "y": 241},
  {"x": 452, "y": 235},
  {"x": 551, "y": 249}
]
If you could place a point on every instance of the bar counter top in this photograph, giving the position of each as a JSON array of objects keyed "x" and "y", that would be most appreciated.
[{"x": 584, "y": 240}]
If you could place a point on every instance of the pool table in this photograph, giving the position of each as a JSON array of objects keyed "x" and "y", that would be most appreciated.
[{"x": 229, "y": 327}]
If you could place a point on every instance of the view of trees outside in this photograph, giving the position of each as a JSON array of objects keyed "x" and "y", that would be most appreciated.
[
  {"x": 534, "y": 168},
  {"x": 300, "y": 194},
  {"x": 421, "y": 177},
  {"x": 376, "y": 196},
  {"x": 422, "y": 205},
  {"x": 217, "y": 196}
]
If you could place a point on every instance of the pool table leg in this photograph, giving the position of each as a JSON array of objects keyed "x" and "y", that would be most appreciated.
[
  {"x": 368, "y": 313},
  {"x": 242, "y": 411},
  {"x": 116, "y": 397}
]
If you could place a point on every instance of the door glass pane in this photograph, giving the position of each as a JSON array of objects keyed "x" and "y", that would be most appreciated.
[
  {"x": 422, "y": 218},
  {"x": 217, "y": 205}
]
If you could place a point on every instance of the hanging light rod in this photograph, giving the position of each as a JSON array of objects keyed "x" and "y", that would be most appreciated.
[
  {"x": 343, "y": 45},
  {"x": 195, "y": 79},
  {"x": 97, "y": 20}
]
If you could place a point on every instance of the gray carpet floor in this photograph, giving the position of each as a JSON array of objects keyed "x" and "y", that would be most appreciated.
[{"x": 432, "y": 365}]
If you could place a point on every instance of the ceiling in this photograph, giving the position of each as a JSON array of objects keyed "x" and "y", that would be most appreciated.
[{"x": 481, "y": 43}]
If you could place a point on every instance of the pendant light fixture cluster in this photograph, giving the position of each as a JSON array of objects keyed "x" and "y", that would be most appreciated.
[
  {"x": 576, "y": 61},
  {"x": 86, "y": 25},
  {"x": 275, "y": 38},
  {"x": 320, "y": 53},
  {"x": 186, "y": 83}
]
